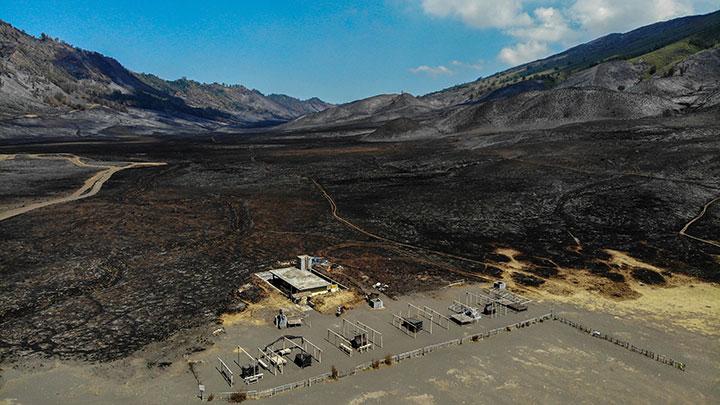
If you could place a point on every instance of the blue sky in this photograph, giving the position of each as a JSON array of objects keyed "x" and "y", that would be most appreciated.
[{"x": 337, "y": 50}]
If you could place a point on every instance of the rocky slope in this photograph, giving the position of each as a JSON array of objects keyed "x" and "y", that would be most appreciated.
[
  {"x": 236, "y": 100},
  {"x": 693, "y": 82},
  {"x": 703, "y": 31},
  {"x": 536, "y": 110},
  {"x": 380, "y": 108},
  {"x": 611, "y": 91},
  {"x": 44, "y": 76},
  {"x": 615, "y": 75},
  {"x": 666, "y": 68}
]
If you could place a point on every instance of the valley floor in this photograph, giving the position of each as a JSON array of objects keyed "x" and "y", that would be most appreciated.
[{"x": 588, "y": 216}]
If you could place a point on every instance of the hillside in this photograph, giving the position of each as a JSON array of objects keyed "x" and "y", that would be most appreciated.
[
  {"x": 616, "y": 90},
  {"x": 664, "y": 68},
  {"x": 236, "y": 100},
  {"x": 699, "y": 32},
  {"x": 41, "y": 76},
  {"x": 379, "y": 108},
  {"x": 536, "y": 110}
]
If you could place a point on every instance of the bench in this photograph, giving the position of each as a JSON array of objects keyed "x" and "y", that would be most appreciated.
[
  {"x": 253, "y": 378},
  {"x": 345, "y": 348},
  {"x": 365, "y": 348},
  {"x": 278, "y": 360}
]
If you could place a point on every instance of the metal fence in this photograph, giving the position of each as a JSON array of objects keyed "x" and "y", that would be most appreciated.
[
  {"x": 396, "y": 358},
  {"x": 422, "y": 351},
  {"x": 627, "y": 345}
]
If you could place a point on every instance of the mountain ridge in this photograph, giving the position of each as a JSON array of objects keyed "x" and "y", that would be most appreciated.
[
  {"x": 42, "y": 74},
  {"x": 662, "y": 68},
  {"x": 610, "y": 47},
  {"x": 674, "y": 74}
]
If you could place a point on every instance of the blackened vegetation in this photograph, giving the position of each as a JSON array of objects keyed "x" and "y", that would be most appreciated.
[
  {"x": 542, "y": 267},
  {"x": 616, "y": 277},
  {"x": 648, "y": 276},
  {"x": 603, "y": 270},
  {"x": 247, "y": 294},
  {"x": 165, "y": 249},
  {"x": 106, "y": 276},
  {"x": 527, "y": 279}
]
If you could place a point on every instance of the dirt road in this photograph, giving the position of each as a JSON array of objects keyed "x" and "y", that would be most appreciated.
[
  {"x": 334, "y": 212},
  {"x": 683, "y": 231},
  {"x": 89, "y": 188}
]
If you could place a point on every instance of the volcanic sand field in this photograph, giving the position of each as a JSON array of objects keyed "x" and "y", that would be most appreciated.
[{"x": 586, "y": 209}]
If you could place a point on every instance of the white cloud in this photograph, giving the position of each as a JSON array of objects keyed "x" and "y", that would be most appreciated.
[
  {"x": 539, "y": 26},
  {"x": 479, "y": 13},
  {"x": 432, "y": 70},
  {"x": 549, "y": 25},
  {"x": 599, "y": 17},
  {"x": 464, "y": 65},
  {"x": 546, "y": 23},
  {"x": 524, "y": 52},
  {"x": 458, "y": 66}
]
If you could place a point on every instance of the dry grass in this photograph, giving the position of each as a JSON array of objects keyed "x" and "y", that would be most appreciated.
[
  {"x": 693, "y": 306},
  {"x": 623, "y": 260},
  {"x": 682, "y": 301},
  {"x": 570, "y": 281},
  {"x": 513, "y": 263},
  {"x": 260, "y": 313},
  {"x": 328, "y": 304}
]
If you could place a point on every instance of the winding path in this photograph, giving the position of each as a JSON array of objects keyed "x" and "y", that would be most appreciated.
[
  {"x": 334, "y": 212},
  {"x": 683, "y": 232},
  {"x": 89, "y": 188}
]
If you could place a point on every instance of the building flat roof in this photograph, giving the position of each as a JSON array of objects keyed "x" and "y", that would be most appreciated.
[{"x": 299, "y": 279}]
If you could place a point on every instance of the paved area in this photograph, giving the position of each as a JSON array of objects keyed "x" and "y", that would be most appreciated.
[
  {"x": 546, "y": 363},
  {"x": 394, "y": 340}
]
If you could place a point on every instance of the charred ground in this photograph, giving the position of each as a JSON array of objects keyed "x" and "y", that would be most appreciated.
[{"x": 163, "y": 249}]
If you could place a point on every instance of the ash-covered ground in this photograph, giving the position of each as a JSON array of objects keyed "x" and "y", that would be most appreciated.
[{"x": 162, "y": 249}]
